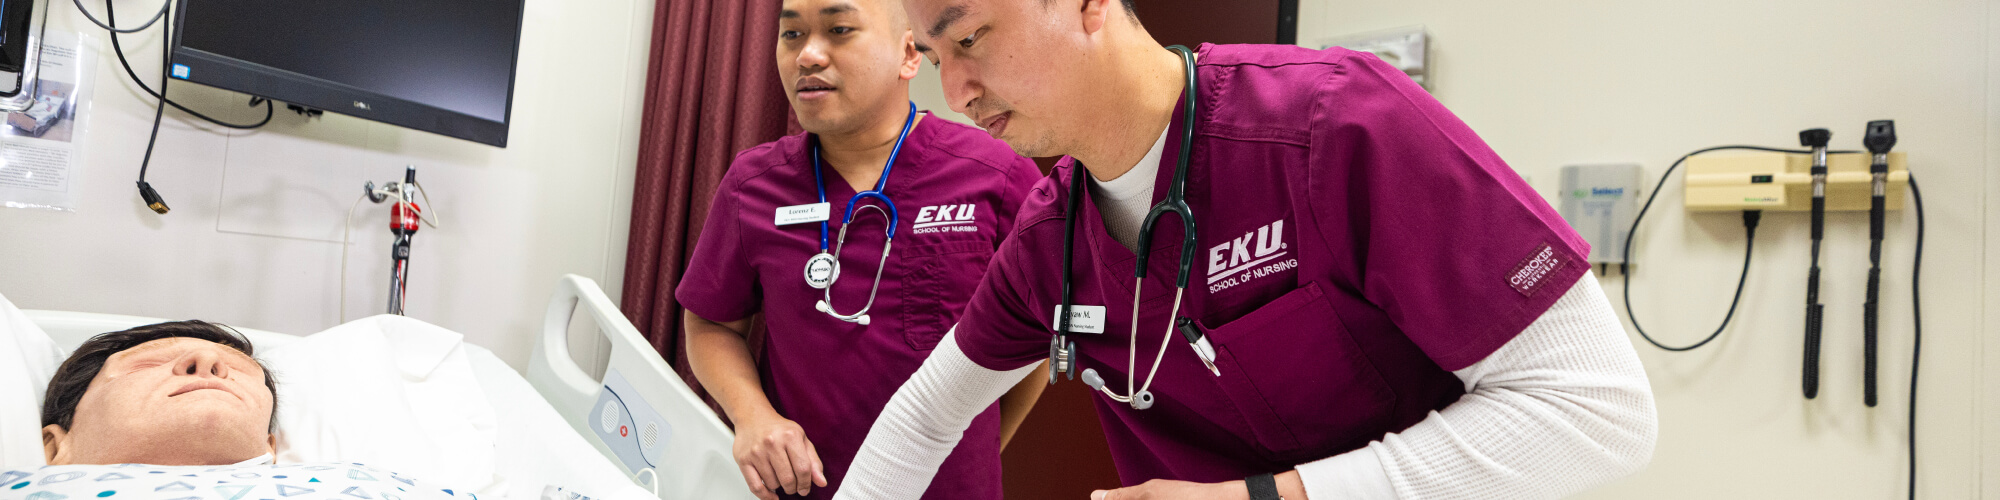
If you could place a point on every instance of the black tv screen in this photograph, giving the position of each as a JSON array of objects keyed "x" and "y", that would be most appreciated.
[{"x": 443, "y": 66}]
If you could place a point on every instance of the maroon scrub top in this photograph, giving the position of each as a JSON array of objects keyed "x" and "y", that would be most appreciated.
[
  {"x": 956, "y": 191},
  {"x": 1356, "y": 242}
]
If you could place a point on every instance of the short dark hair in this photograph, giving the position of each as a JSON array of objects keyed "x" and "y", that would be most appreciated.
[{"x": 74, "y": 377}]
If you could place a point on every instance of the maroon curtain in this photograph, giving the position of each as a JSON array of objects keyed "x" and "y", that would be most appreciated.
[{"x": 712, "y": 90}]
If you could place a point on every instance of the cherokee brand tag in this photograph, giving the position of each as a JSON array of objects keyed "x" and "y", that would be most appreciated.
[{"x": 1528, "y": 276}]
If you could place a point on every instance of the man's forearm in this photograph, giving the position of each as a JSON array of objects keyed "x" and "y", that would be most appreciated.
[
  {"x": 721, "y": 360},
  {"x": 922, "y": 423},
  {"x": 1014, "y": 406}
]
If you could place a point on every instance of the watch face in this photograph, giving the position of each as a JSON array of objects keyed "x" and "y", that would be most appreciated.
[{"x": 821, "y": 270}]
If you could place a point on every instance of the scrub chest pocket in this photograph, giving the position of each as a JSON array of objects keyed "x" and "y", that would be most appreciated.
[
  {"x": 937, "y": 282},
  {"x": 1299, "y": 378}
]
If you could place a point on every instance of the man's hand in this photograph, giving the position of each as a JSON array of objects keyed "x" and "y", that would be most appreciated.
[
  {"x": 1162, "y": 489},
  {"x": 774, "y": 453}
]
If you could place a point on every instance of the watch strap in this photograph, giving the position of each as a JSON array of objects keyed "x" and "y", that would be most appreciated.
[{"x": 1262, "y": 487}]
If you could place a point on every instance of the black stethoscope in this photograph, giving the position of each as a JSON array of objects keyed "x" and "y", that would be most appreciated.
[
  {"x": 1062, "y": 352},
  {"x": 824, "y": 268}
]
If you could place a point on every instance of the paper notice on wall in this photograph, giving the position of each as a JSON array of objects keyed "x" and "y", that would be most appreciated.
[{"x": 40, "y": 159}]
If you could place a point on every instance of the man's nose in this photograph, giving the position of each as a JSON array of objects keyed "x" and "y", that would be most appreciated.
[
  {"x": 960, "y": 88},
  {"x": 203, "y": 363},
  {"x": 813, "y": 55}
]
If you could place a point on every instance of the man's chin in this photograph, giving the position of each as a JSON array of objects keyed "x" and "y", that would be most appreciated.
[
  {"x": 818, "y": 118},
  {"x": 1029, "y": 145}
]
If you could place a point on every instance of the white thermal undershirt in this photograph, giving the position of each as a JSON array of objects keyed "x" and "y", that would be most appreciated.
[
  {"x": 1562, "y": 407},
  {"x": 1125, "y": 200}
]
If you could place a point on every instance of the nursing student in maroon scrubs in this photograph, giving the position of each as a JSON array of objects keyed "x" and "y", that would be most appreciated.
[
  {"x": 1367, "y": 302},
  {"x": 856, "y": 290}
]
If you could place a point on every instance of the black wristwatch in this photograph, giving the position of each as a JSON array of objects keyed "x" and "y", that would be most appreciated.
[{"x": 1263, "y": 487}]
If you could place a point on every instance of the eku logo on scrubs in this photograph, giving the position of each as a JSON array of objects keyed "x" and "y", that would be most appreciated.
[
  {"x": 1254, "y": 255},
  {"x": 943, "y": 218}
]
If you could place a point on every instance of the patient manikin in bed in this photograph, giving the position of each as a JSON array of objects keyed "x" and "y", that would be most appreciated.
[{"x": 183, "y": 410}]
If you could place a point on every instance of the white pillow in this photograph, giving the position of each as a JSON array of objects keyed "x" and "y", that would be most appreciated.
[
  {"x": 28, "y": 359},
  {"x": 390, "y": 392}
]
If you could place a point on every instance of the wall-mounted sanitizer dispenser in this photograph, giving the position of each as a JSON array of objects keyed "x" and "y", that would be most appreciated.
[{"x": 1599, "y": 201}]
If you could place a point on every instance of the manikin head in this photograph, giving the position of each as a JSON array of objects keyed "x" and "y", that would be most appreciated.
[{"x": 177, "y": 393}]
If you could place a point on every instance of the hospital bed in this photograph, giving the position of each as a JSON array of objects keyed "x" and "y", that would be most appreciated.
[{"x": 640, "y": 420}]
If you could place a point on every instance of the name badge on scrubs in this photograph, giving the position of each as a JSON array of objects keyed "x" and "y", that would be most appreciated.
[
  {"x": 810, "y": 212},
  {"x": 1082, "y": 319}
]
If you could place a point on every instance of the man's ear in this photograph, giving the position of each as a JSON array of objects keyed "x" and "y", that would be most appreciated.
[
  {"x": 55, "y": 445},
  {"x": 912, "y": 60},
  {"x": 1096, "y": 13}
]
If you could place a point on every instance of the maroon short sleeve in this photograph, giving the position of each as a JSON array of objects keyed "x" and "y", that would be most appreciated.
[
  {"x": 720, "y": 284},
  {"x": 998, "y": 330},
  {"x": 1446, "y": 238}
]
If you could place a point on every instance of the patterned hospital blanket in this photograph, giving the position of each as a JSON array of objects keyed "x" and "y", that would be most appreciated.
[{"x": 237, "y": 482}]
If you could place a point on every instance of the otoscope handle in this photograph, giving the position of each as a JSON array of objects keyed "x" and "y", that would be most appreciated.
[
  {"x": 1814, "y": 313},
  {"x": 1868, "y": 329},
  {"x": 1875, "y": 209},
  {"x": 1818, "y": 219}
]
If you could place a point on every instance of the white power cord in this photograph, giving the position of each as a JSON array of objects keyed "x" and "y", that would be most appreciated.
[
  {"x": 655, "y": 483},
  {"x": 402, "y": 195}
]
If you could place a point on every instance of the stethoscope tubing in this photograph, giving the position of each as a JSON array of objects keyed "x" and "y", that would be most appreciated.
[
  {"x": 888, "y": 207},
  {"x": 1062, "y": 351}
]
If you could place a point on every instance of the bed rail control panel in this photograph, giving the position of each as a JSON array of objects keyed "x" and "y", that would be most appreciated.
[
  {"x": 636, "y": 434},
  {"x": 641, "y": 412}
]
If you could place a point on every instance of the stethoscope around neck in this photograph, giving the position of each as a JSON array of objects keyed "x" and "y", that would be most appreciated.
[
  {"x": 823, "y": 269},
  {"x": 1062, "y": 352}
]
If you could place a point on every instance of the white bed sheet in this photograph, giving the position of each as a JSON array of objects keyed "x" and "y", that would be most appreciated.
[{"x": 535, "y": 446}]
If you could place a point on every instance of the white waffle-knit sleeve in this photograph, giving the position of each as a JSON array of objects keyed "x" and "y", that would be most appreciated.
[
  {"x": 1562, "y": 407},
  {"x": 923, "y": 422}
]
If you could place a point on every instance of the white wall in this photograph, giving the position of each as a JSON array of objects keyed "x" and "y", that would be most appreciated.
[
  {"x": 556, "y": 200},
  {"x": 1551, "y": 83}
]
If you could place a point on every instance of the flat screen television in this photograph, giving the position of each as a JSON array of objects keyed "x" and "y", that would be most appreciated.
[{"x": 442, "y": 66}]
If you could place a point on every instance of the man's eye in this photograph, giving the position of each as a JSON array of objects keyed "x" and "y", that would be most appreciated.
[
  {"x": 841, "y": 30},
  {"x": 967, "y": 41},
  {"x": 789, "y": 34}
]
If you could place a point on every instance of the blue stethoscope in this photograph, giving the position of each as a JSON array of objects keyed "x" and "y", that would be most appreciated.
[
  {"x": 1062, "y": 352},
  {"x": 823, "y": 269}
]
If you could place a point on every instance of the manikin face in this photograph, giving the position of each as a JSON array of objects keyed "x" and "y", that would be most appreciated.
[{"x": 173, "y": 401}]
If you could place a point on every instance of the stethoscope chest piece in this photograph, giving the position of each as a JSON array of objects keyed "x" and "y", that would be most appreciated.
[
  {"x": 1061, "y": 360},
  {"x": 821, "y": 270}
]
